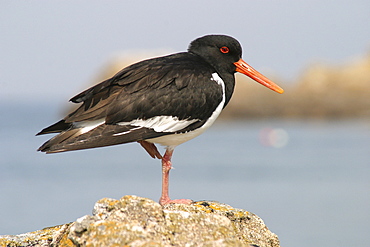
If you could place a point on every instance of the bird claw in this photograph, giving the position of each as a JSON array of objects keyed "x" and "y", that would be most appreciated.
[{"x": 179, "y": 201}]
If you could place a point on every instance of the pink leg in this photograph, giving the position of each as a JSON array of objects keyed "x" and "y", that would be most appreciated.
[{"x": 166, "y": 167}]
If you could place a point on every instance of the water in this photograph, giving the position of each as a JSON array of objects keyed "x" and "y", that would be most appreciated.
[{"x": 308, "y": 180}]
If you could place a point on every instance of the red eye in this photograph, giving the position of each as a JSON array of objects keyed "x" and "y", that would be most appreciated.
[{"x": 224, "y": 49}]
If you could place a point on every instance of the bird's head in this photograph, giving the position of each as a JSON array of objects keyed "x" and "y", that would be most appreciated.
[{"x": 225, "y": 54}]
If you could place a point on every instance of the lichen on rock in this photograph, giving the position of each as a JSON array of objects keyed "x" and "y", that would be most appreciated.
[{"x": 136, "y": 221}]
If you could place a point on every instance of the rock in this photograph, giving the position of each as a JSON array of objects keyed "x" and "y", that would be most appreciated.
[
  {"x": 135, "y": 221},
  {"x": 322, "y": 91},
  {"x": 51, "y": 236}
]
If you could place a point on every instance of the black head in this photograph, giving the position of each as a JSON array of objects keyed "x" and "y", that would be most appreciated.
[
  {"x": 220, "y": 51},
  {"x": 224, "y": 54}
]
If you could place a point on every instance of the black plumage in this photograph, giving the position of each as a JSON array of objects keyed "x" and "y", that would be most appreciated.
[
  {"x": 177, "y": 85},
  {"x": 166, "y": 100}
]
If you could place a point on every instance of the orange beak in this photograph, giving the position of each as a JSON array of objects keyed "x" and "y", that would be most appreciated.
[{"x": 247, "y": 70}]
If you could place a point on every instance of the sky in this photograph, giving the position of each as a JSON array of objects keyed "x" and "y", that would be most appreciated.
[{"x": 51, "y": 50}]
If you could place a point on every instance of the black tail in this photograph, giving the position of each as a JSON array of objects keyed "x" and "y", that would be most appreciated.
[
  {"x": 103, "y": 135},
  {"x": 56, "y": 128}
]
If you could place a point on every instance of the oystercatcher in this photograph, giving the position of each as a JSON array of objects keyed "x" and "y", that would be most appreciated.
[{"x": 165, "y": 100}]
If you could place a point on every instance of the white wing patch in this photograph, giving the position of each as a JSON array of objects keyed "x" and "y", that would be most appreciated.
[
  {"x": 161, "y": 123},
  {"x": 158, "y": 123},
  {"x": 126, "y": 132},
  {"x": 86, "y": 126}
]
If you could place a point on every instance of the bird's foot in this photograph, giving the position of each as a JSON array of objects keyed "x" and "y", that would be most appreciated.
[{"x": 179, "y": 201}]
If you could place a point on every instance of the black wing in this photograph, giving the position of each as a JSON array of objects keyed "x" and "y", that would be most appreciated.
[{"x": 178, "y": 85}]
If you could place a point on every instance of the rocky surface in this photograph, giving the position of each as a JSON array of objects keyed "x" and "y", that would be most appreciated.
[{"x": 135, "y": 221}]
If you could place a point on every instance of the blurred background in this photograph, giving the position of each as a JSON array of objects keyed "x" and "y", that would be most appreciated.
[{"x": 301, "y": 160}]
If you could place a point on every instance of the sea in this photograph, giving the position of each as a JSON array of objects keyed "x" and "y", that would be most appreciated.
[{"x": 309, "y": 180}]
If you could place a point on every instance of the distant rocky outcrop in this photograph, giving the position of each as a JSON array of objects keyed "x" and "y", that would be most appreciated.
[
  {"x": 135, "y": 221},
  {"x": 322, "y": 91}
]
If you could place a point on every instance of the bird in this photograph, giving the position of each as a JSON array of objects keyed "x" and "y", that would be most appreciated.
[{"x": 163, "y": 101}]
